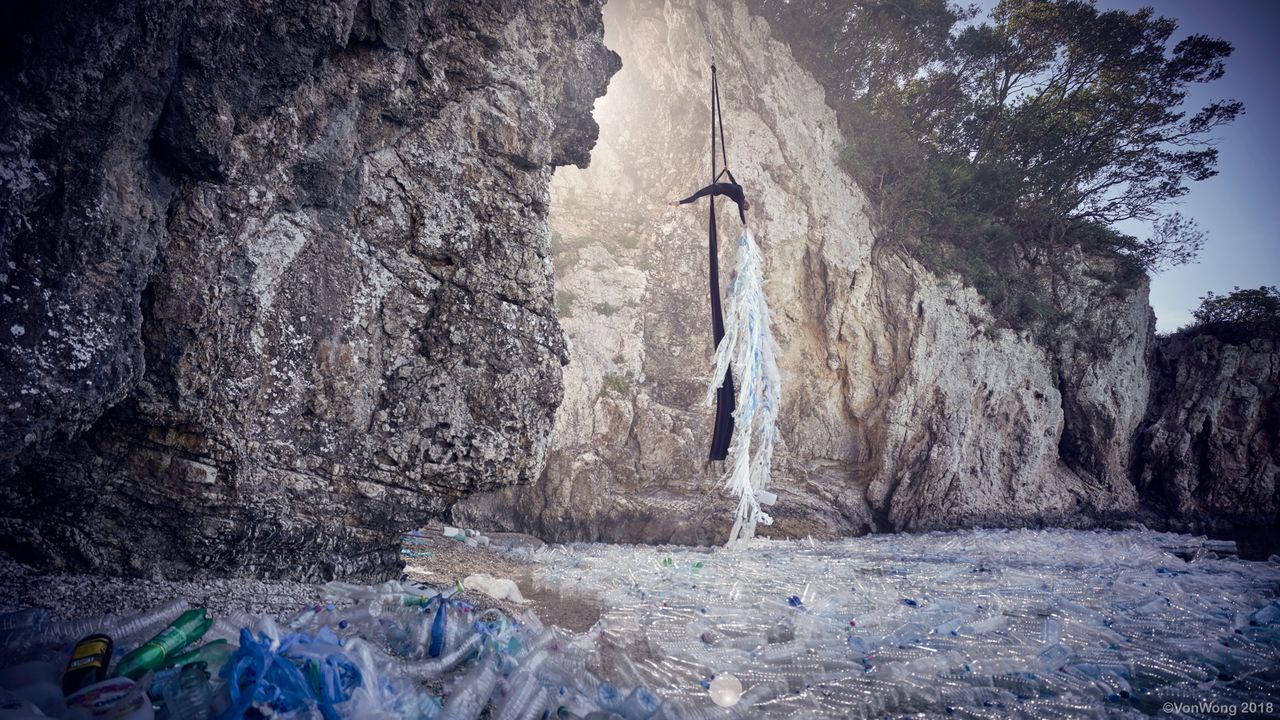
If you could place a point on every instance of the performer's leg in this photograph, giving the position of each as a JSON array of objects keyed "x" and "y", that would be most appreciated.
[{"x": 701, "y": 193}]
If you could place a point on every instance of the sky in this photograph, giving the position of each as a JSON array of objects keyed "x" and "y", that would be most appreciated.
[{"x": 1239, "y": 209}]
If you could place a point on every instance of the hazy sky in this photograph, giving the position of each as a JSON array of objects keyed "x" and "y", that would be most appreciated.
[{"x": 1239, "y": 209}]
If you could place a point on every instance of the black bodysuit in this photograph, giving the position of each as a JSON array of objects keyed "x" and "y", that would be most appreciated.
[{"x": 731, "y": 190}]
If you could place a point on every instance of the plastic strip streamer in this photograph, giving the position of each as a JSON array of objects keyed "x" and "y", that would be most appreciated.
[{"x": 749, "y": 346}]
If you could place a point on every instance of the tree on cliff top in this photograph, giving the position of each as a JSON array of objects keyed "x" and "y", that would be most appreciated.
[
  {"x": 1081, "y": 109},
  {"x": 1238, "y": 315},
  {"x": 1039, "y": 127}
]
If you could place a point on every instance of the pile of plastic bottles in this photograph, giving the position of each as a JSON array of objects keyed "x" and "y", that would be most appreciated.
[
  {"x": 986, "y": 623},
  {"x": 1049, "y": 623},
  {"x": 385, "y": 651}
]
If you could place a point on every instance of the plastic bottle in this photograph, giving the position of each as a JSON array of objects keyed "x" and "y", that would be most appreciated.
[
  {"x": 521, "y": 691},
  {"x": 23, "y": 620},
  {"x": 471, "y": 695},
  {"x": 639, "y": 705},
  {"x": 213, "y": 655},
  {"x": 116, "y": 698},
  {"x": 122, "y": 630},
  {"x": 228, "y": 627},
  {"x": 88, "y": 664},
  {"x": 144, "y": 624},
  {"x": 186, "y": 694},
  {"x": 1053, "y": 657},
  {"x": 186, "y": 629},
  {"x": 435, "y": 667}
]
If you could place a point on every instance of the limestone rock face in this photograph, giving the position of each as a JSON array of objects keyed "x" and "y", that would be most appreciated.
[
  {"x": 278, "y": 279},
  {"x": 904, "y": 407},
  {"x": 1210, "y": 450}
]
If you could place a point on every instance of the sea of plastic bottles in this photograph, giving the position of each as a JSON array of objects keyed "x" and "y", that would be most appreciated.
[
  {"x": 985, "y": 623},
  {"x": 1048, "y": 623},
  {"x": 384, "y": 651}
]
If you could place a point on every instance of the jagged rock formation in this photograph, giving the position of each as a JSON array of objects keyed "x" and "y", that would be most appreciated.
[
  {"x": 1210, "y": 450},
  {"x": 904, "y": 405},
  {"x": 278, "y": 278}
]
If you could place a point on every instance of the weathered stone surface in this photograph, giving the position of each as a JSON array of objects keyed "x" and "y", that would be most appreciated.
[
  {"x": 278, "y": 281},
  {"x": 1210, "y": 450},
  {"x": 904, "y": 407}
]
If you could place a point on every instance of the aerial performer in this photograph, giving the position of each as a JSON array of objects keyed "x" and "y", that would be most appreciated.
[
  {"x": 745, "y": 347},
  {"x": 731, "y": 190}
]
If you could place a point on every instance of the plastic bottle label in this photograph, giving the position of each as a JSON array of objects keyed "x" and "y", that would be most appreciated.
[
  {"x": 88, "y": 649},
  {"x": 168, "y": 640},
  {"x": 80, "y": 663},
  {"x": 102, "y": 700}
]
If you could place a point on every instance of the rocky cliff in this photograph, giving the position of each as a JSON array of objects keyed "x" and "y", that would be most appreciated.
[
  {"x": 905, "y": 405},
  {"x": 1210, "y": 449},
  {"x": 277, "y": 275}
]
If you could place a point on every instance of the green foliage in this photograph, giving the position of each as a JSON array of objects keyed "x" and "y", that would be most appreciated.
[
  {"x": 989, "y": 148},
  {"x": 564, "y": 303},
  {"x": 629, "y": 242},
  {"x": 1239, "y": 315},
  {"x": 605, "y": 309},
  {"x": 617, "y": 384}
]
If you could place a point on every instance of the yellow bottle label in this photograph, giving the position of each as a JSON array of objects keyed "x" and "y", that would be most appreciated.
[
  {"x": 85, "y": 649},
  {"x": 84, "y": 662}
]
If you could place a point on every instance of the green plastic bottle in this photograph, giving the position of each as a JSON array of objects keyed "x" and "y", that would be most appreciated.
[
  {"x": 213, "y": 655},
  {"x": 181, "y": 632}
]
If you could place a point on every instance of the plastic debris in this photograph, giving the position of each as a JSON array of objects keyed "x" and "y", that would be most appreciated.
[
  {"x": 496, "y": 588},
  {"x": 725, "y": 690},
  {"x": 154, "y": 653},
  {"x": 749, "y": 348},
  {"x": 1004, "y": 624},
  {"x": 984, "y": 623}
]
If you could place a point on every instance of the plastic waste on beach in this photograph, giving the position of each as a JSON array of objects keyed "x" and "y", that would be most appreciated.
[
  {"x": 154, "y": 653},
  {"x": 115, "y": 698},
  {"x": 393, "y": 650},
  {"x": 88, "y": 664},
  {"x": 983, "y": 623},
  {"x": 496, "y": 588},
  {"x": 473, "y": 538},
  {"x": 967, "y": 624},
  {"x": 725, "y": 690}
]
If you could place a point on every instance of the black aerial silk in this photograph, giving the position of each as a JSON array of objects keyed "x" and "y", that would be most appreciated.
[{"x": 723, "y": 430}]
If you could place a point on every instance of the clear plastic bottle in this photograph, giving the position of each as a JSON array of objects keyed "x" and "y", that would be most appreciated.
[
  {"x": 186, "y": 694},
  {"x": 471, "y": 695},
  {"x": 228, "y": 627},
  {"x": 640, "y": 704},
  {"x": 435, "y": 667},
  {"x": 29, "y": 619},
  {"x": 521, "y": 690}
]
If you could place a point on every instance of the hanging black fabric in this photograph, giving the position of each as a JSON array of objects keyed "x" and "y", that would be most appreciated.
[{"x": 723, "y": 431}]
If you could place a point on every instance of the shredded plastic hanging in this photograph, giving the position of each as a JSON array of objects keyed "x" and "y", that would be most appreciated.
[{"x": 748, "y": 347}]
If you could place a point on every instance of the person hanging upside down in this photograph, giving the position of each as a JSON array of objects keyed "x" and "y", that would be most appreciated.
[{"x": 731, "y": 190}]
